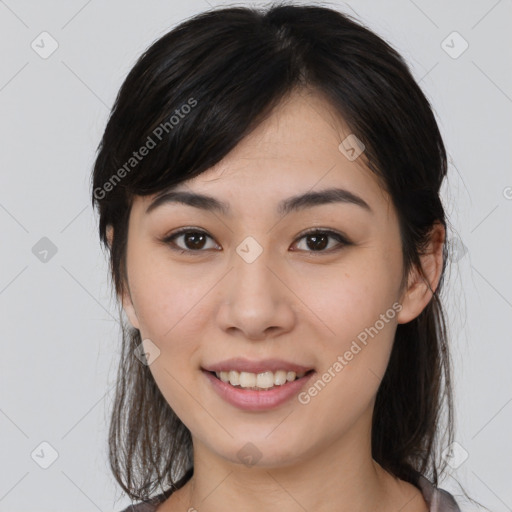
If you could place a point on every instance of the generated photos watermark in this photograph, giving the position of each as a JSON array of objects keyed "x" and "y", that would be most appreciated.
[
  {"x": 342, "y": 360},
  {"x": 152, "y": 141}
]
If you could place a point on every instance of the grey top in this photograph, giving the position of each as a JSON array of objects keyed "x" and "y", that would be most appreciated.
[{"x": 437, "y": 499}]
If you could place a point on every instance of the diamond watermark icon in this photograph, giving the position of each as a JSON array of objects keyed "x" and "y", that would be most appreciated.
[
  {"x": 44, "y": 455},
  {"x": 44, "y": 45},
  {"x": 249, "y": 249},
  {"x": 249, "y": 454},
  {"x": 351, "y": 147},
  {"x": 454, "y": 45},
  {"x": 147, "y": 352},
  {"x": 44, "y": 249},
  {"x": 457, "y": 250},
  {"x": 454, "y": 455}
]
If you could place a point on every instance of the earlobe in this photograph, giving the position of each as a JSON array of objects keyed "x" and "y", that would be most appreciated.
[
  {"x": 422, "y": 285},
  {"x": 126, "y": 297},
  {"x": 110, "y": 235},
  {"x": 129, "y": 309}
]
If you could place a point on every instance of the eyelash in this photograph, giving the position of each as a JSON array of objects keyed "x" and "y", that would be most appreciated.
[{"x": 343, "y": 241}]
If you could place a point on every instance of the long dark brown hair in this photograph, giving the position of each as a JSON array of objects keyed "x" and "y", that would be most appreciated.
[{"x": 198, "y": 91}]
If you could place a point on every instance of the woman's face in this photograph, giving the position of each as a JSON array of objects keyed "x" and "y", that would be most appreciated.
[{"x": 255, "y": 286}]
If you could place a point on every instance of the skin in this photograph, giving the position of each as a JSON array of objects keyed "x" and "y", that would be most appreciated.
[{"x": 299, "y": 305}]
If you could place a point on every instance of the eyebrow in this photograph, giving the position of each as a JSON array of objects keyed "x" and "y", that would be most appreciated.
[{"x": 292, "y": 204}]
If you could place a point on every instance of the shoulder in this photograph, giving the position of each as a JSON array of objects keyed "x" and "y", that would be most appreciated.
[
  {"x": 146, "y": 506},
  {"x": 438, "y": 500},
  {"x": 140, "y": 507},
  {"x": 151, "y": 504}
]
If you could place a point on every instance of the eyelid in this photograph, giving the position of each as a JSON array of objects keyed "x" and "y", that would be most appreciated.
[
  {"x": 168, "y": 239},
  {"x": 341, "y": 238}
]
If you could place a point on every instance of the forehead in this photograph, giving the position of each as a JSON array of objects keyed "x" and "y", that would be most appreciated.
[
  {"x": 302, "y": 127},
  {"x": 294, "y": 150}
]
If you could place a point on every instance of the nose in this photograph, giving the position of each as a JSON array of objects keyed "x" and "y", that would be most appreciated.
[{"x": 256, "y": 302}]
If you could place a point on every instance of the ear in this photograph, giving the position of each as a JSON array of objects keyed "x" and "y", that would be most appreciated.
[
  {"x": 128, "y": 307},
  {"x": 126, "y": 298},
  {"x": 110, "y": 235},
  {"x": 420, "y": 288}
]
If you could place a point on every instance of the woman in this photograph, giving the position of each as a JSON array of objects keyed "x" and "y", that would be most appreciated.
[{"x": 268, "y": 191}]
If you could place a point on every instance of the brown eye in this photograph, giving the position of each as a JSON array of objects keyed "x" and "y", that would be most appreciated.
[
  {"x": 317, "y": 240},
  {"x": 192, "y": 240}
]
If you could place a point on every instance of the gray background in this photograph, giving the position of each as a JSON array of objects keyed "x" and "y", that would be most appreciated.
[{"x": 59, "y": 329}]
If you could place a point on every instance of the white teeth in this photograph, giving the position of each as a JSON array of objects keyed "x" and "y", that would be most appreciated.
[
  {"x": 233, "y": 378},
  {"x": 280, "y": 378},
  {"x": 245, "y": 380},
  {"x": 265, "y": 380}
]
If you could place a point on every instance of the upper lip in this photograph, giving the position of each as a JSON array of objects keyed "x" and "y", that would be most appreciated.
[{"x": 241, "y": 364}]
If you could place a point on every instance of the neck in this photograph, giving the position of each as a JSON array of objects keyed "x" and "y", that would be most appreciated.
[{"x": 342, "y": 477}]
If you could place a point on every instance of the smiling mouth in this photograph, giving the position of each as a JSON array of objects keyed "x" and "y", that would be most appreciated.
[{"x": 265, "y": 381}]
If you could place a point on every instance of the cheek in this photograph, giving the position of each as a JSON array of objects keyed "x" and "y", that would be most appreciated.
[
  {"x": 166, "y": 296},
  {"x": 343, "y": 301},
  {"x": 171, "y": 308},
  {"x": 359, "y": 322},
  {"x": 355, "y": 313}
]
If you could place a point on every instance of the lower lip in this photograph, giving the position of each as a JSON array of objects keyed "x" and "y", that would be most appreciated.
[{"x": 252, "y": 400}]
